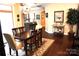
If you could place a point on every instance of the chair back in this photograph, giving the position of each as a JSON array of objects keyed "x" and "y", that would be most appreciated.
[
  {"x": 18, "y": 31},
  {"x": 39, "y": 37},
  {"x": 10, "y": 40},
  {"x": 40, "y": 33},
  {"x": 21, "y": 29},
  {"x": 33, "y": 32},
  {"x": 33, "y": 39},
  {"x": 15, "y": 31}
]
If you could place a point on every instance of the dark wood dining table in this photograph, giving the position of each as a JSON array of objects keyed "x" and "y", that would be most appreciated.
[{"x": 24, "y": 37}]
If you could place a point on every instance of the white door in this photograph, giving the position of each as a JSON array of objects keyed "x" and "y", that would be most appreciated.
[
  {"x": 7, "y": 25},
  {"x": 6, "y": 22}
]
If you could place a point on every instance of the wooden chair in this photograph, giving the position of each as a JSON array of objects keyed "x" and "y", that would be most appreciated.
[
  {"x": 18, "y": 31},
  {"x": 15, "y": 31},
  {"x": 12, "y": 43},
  {"x": 21, "y": 29},
  {"x": 30, "y": 44},
  {"x": 37, "y": 40},
  {"x": 40, "y": 36},
  {"x": 34, "y": 32}
]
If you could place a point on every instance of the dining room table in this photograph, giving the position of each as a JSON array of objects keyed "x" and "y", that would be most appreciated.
[{"x": 24, "y": 37}]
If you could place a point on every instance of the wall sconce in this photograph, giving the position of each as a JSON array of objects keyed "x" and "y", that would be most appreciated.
[{"x": 18, "y": 17}]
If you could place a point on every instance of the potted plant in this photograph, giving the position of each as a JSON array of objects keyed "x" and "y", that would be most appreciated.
[{"x": 72, "y": 17}]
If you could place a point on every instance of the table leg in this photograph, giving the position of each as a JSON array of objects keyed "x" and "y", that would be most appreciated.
[{"x": 25, "y": 47}]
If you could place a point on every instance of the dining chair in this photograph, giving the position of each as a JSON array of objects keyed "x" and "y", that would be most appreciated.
[
  {"x": 37, "y": 40},
  {"x": 12, "y": 43},
  {"x": 34, "y": 32},
  {"x": 40, "y": 36},
  {"x": 30, "y": 44},
  {"x": 21, "y": 29},
  {"x": 15, "y": 31},
  {"x": 18, "y": 31}
]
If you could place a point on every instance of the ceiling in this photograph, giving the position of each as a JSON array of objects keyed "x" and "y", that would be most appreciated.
[{"x": 32, "y": 5}]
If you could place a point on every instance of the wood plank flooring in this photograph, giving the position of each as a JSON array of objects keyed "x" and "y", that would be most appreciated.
[{"x": 59, "y": 47}]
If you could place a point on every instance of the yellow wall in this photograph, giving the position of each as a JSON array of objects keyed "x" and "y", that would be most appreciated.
[
  {"x": 50, "y": 8},
  {"x": 16, "y": 10}
]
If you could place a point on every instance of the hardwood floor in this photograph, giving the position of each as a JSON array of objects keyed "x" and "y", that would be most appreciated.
[{"x": 59, "y": 47}]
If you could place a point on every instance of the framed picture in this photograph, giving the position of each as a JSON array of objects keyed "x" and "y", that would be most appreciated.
[
  {"x": 38, "y": 16},
  {"x": 58, "y": 16}
]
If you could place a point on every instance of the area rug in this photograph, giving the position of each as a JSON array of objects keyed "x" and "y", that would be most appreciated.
[{"x": 46, "y": 44}]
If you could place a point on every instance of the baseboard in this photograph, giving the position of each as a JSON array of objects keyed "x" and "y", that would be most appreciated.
[
  {"x": 65, "y": 33},
  {"x": 49, "y": 32}
]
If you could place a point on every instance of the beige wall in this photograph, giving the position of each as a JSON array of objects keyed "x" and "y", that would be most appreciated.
[
  {"x": 50, "y": 8},
  {"x": 16, "y": 10}
]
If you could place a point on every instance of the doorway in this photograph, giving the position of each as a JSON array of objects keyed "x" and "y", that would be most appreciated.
[{"x": 7, "y": 25}]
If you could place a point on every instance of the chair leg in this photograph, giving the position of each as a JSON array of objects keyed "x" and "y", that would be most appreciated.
[
  {"x": 10, "y": 50},
  {"x": 16, "y": 53},
  {"x": 37, "y": 44},
  {"x": 31, "y": 47},
  {"x": 41, "y": 41}
]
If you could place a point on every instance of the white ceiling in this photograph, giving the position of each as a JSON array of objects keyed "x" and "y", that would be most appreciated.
[{"x": 34, "y": 4}]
